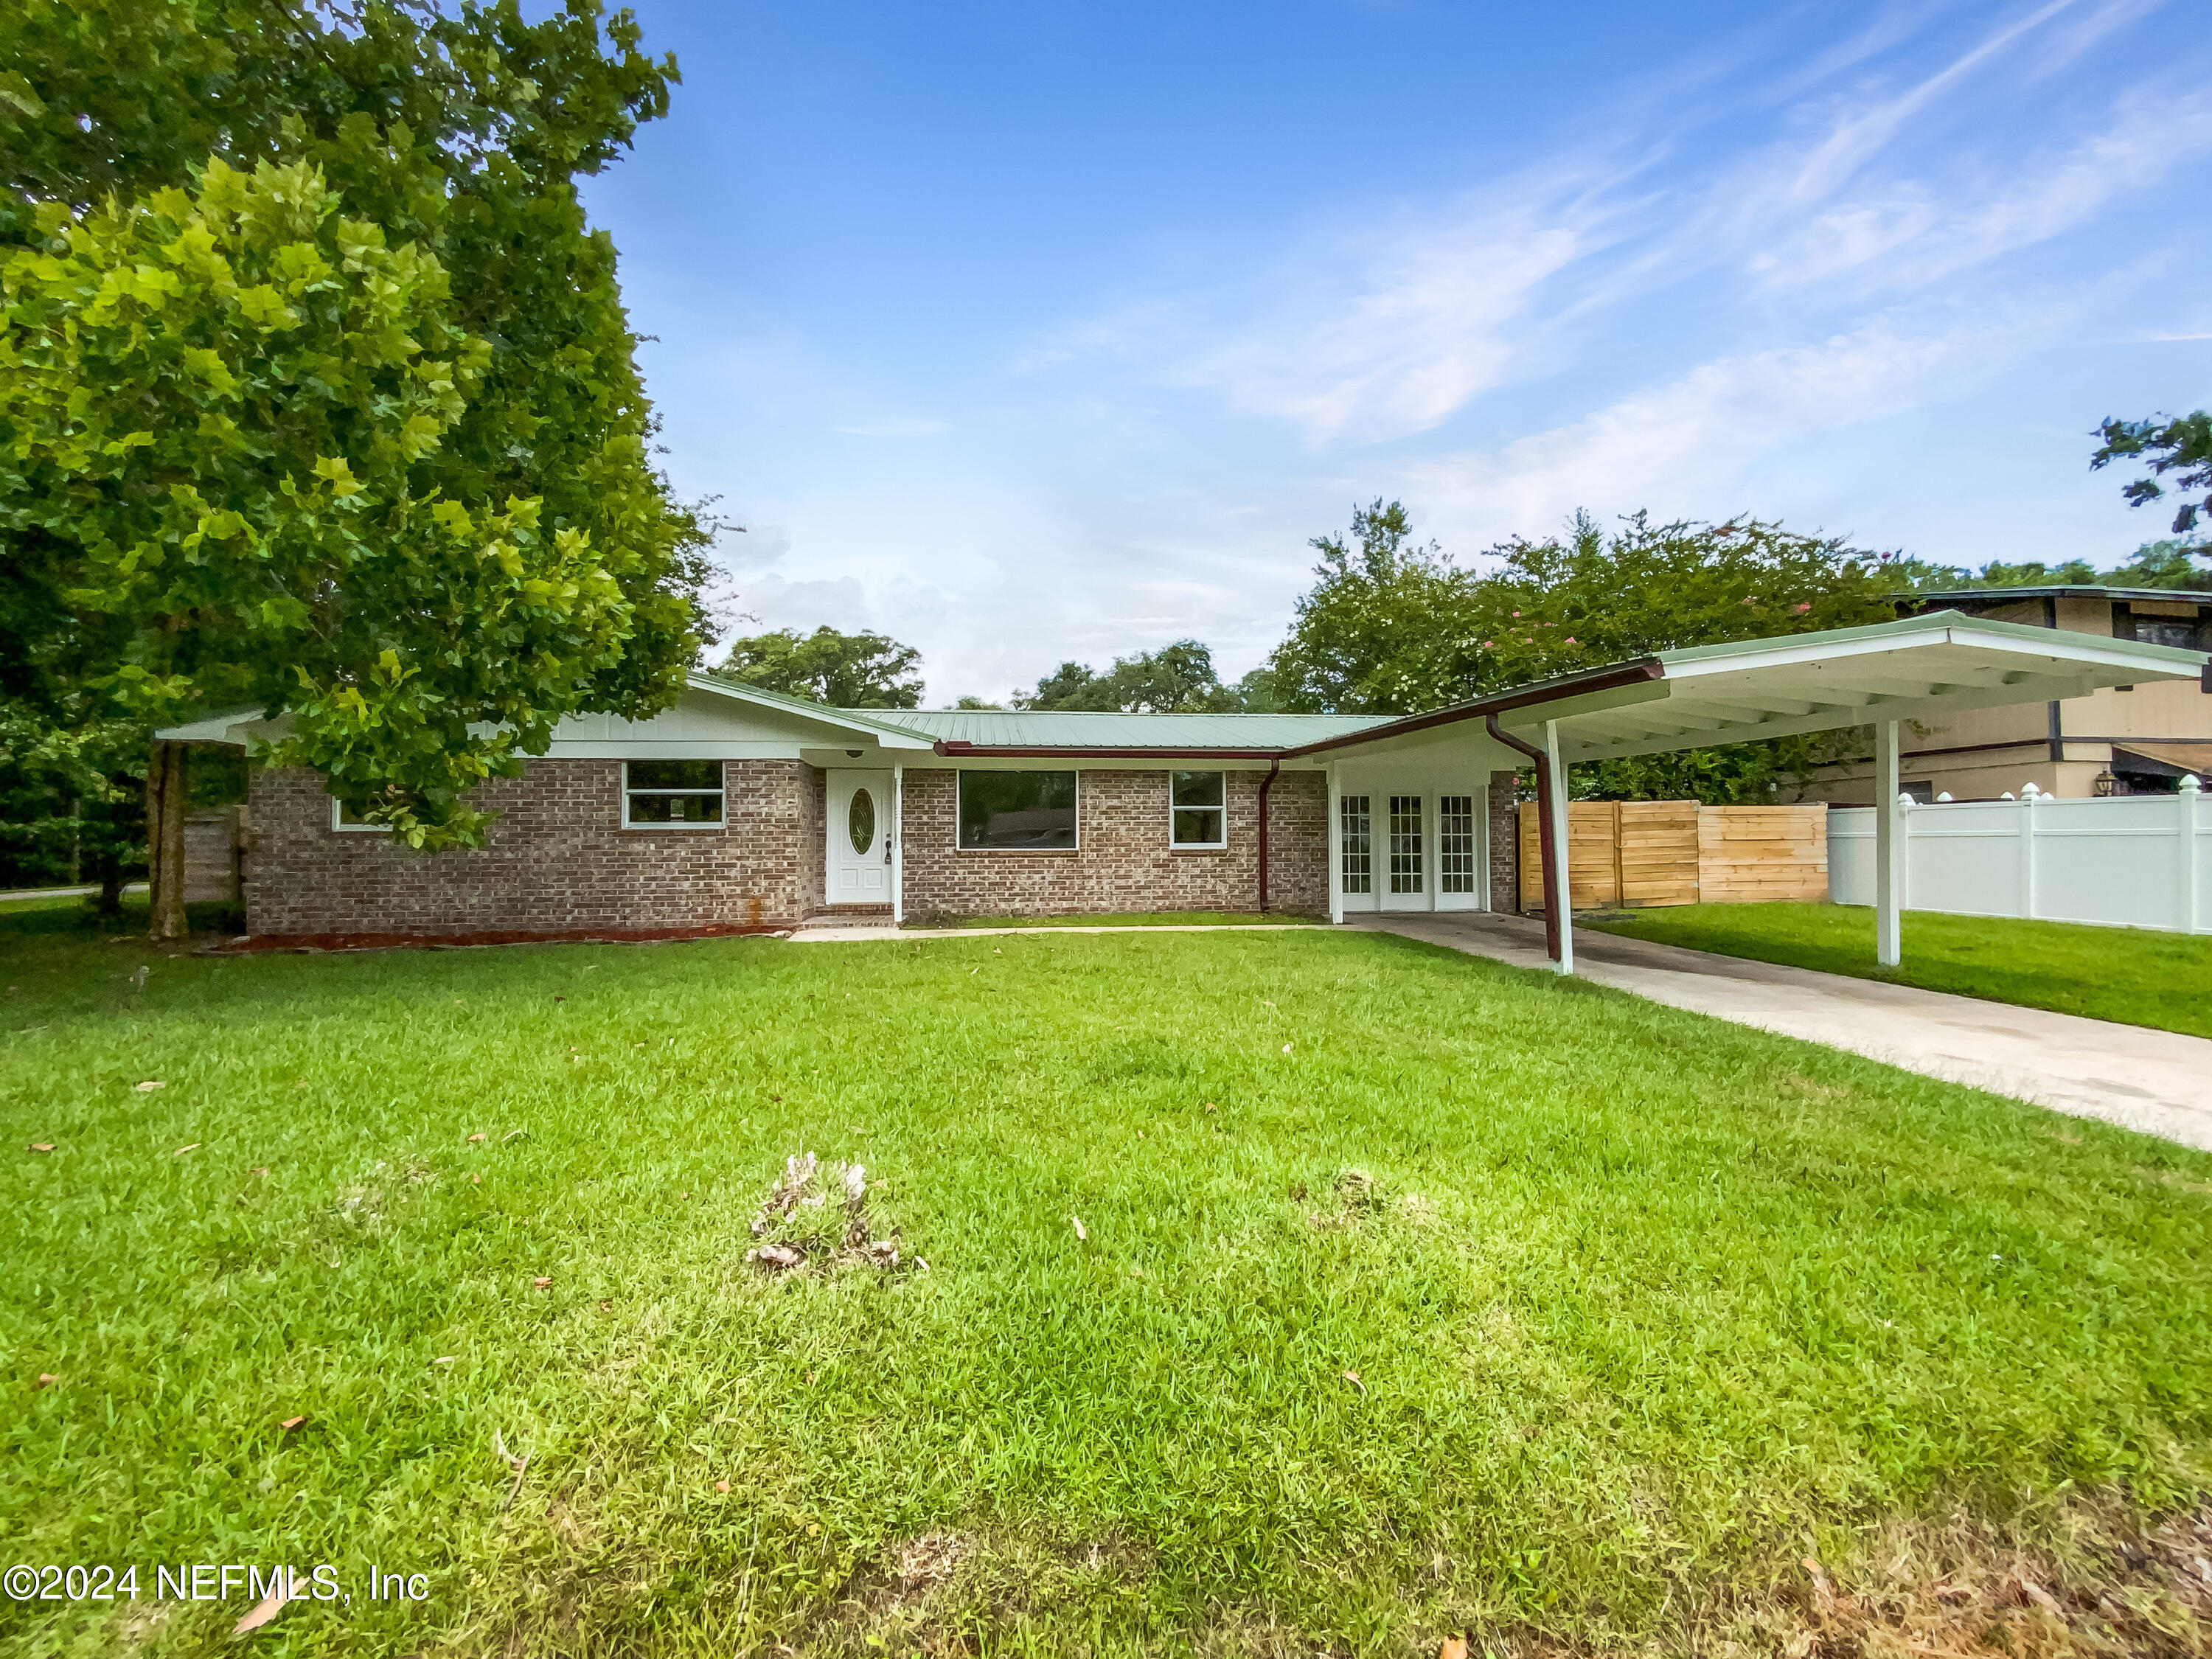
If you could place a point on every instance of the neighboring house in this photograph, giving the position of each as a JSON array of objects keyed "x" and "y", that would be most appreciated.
[
  {"x": 2124, "y": 740},
  {"x": 742, "y": 808}
]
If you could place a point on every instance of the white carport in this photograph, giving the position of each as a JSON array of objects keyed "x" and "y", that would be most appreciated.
[{"x": 1881, "y": 676}]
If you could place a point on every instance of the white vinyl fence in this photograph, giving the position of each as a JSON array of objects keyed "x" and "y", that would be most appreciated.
[{"x": 2122, "y": 861}]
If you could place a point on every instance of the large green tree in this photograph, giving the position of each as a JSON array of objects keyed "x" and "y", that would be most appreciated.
[
  {"x": 1174, "y": 680},
  {"x": 318, "y": 392},
  {"x": 846, "y": 670},
  {"x": 2179, "y": 446},
  {"x": 1389, "y": 627},
  {"x": 1392, "y": 626}
]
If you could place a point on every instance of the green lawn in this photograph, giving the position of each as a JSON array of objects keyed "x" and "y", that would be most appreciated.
[
  {"x": 2125, "y": 974},
  {"x": 1412, "y": 1293},
  {"x": 1133, "y": 918}
]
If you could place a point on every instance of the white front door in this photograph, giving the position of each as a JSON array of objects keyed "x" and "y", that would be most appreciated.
[{"x": 858, "y": 866}]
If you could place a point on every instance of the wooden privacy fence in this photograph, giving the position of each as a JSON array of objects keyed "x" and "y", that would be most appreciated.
[{"x": 1626, "y": 854}]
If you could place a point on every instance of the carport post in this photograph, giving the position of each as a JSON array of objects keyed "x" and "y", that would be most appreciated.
[
  {"x": 1889, "y": 847},
  {"x": 898, "y": 844},
  {"x": 1555, "y": 836}
]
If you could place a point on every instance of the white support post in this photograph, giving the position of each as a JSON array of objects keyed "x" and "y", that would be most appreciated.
[
  {"x": 2191, "y": 801},
  {"x": 898, "y": 844},
  {"x": 1336, "y": 848},
  {"x": 1888, "y": 848},
  {"x": 1432, "y": 829},
  {"x": 1556, "y": 831},
  {"x": 1482, "y": 838},
  {"x": 2029, "y": 797}
]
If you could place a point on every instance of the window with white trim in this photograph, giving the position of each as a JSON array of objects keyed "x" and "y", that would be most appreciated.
[
  {"x": 1017, "y": 811},
  {"x": 1455, "y": 843},
  {"x": 1406, "y": 844},
  {"x": 1198, "y": 809},
  {"x": 671, "y": 794},
  {"x": 344, "y": 818},
  {"x": 1356, "y": 843}
]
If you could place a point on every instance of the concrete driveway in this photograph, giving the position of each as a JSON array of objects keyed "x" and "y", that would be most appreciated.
[{"x": 2159, "y": 1082}]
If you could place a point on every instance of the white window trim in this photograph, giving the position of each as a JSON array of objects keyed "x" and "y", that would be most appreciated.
[
  {"x": 1175, "y": 846},
  {"x": 721, "y": 791},
  {"x": 961, "y": 772},
  {"x": 338, "y": 823}
]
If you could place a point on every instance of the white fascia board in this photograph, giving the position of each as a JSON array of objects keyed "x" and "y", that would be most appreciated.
[
  {"x": 240, "y": 727},
  {"x": 1113, "y": 762},
  {"x": 1602, "y": 745},
  {"x": 2148, "y": 662}
]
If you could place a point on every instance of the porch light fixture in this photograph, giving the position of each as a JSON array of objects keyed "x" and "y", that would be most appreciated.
[
  {"x": 852, "y": 754},
  {"x": 2106, "y": 783}
]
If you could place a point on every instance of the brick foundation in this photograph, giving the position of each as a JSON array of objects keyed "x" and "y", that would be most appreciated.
[
  {"x": 556, "y": 860},
  {"x": 1123, "y": 862}
]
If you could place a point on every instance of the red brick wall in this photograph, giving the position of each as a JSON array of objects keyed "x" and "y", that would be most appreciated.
[
  {"x": 557, "y": 858},
  {"x": 1123, "y": 862}
]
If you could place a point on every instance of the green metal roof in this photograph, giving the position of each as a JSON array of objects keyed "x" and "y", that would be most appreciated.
[{"x": 993, "y": 729}]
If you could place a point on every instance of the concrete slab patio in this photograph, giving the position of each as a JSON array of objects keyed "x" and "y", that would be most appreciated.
[{"x": 2159, "y": 1082}]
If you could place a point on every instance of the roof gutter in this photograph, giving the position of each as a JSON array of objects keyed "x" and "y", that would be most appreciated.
[
  {"x": 1642, "y": 672},
  {"x": 1639, "y": 673},
  {"x": 957, "y": 749}
]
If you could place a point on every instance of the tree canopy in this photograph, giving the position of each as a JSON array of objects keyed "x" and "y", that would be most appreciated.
[
  {"x": 846, "y": 670},
  {"x": 1392, "y": 626},
  {"x": 2154, "y": 564},
  {"x": 2180, "y": 445},
  {"x": 1174, "y": 680},
  {"x": 318, "y": 389}
]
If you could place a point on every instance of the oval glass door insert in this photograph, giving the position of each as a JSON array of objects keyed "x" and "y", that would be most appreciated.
[{"x": 860, "y": 821}]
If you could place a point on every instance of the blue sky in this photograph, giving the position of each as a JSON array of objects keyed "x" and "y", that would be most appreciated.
[{"x": 1023, "y": 332}]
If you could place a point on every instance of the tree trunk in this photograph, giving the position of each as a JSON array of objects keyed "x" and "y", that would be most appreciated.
[{"x": 165, "y": 790}]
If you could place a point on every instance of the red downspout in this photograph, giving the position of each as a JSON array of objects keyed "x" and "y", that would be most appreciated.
[
  {"x": 1266, "y": 784},
  {"x": 1543, "y": 832}
]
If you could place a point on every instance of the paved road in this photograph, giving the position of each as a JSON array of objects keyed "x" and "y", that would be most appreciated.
[{"x": 2159, "y": 1082}]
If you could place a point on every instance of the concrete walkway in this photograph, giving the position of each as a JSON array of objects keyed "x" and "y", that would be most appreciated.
[
  {"x": 833, "y": 932},
  {"x": 2159, "y": 1082}
]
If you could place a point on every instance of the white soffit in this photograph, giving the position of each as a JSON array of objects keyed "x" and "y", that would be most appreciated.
[{"x": 1817, "y": 682}]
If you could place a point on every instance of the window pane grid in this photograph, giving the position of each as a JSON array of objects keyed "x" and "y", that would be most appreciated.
[
  {"x": 1355, "y": 834},
  {"x": 672, "y": 794},
  {"x": 1198, "y": 809},
  {"x": 1405, "y": 843},
  {"x": 1455, "y": 843}
]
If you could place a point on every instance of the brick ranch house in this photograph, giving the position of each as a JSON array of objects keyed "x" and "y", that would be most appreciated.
[
  {"x": 743, "y": 808},
  {"x": 739, "y": 808}
]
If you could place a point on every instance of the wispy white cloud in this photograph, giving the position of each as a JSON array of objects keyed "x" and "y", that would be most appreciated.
[
  {"x": 1438, "y": 318},
  {"x": 1390, "y": 328},
  {"x": 1707, "y": 427},
  {"x": 1912, "y": 233}
]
